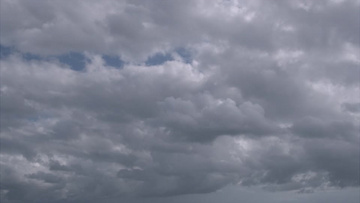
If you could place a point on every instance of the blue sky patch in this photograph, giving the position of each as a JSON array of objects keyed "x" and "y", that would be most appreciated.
[
  {"x": 5, "y": 51},
  {"x": 29, "y": 57},
  {"x": 76, "y": 61},
  {"x": 113, "y": 60},
  {"x": 158, "y": 59},
  {"x": 185, "y": 54}
]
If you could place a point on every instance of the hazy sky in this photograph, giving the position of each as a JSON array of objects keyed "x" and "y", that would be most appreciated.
[{"x": 158, "y": 101}]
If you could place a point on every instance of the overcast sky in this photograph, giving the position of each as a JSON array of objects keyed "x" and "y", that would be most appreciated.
[{"x": 154, "y": 101}]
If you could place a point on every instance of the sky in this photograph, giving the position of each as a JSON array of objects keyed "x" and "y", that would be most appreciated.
[{"x": 179, "y": 101}]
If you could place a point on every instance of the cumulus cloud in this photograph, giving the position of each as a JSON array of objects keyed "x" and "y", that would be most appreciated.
[{"x": 250, "y": 93}]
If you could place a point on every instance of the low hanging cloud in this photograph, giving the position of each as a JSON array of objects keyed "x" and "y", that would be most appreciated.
[{"x": 250, "y": 93}]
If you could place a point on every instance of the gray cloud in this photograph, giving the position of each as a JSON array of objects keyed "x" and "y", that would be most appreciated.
[{"x": 269, "y": 99}]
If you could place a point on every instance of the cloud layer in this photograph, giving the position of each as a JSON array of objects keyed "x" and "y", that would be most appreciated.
[{"x": 255, "y": 93}]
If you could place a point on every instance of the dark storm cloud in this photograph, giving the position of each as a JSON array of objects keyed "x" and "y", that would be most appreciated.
[
  {"x": 352, "y": 107},
  {"x": 176, "y": 98},
  {"x": 315, "y": 128}
]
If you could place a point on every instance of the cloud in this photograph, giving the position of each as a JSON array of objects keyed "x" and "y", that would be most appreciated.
[{"x": 177, "y": 98}]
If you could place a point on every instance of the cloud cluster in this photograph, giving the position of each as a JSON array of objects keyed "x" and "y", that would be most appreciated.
[{"x": 267, "y": 94}]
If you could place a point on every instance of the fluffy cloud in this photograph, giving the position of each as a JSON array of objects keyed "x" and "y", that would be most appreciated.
[{"x": 267, "y": 95}]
